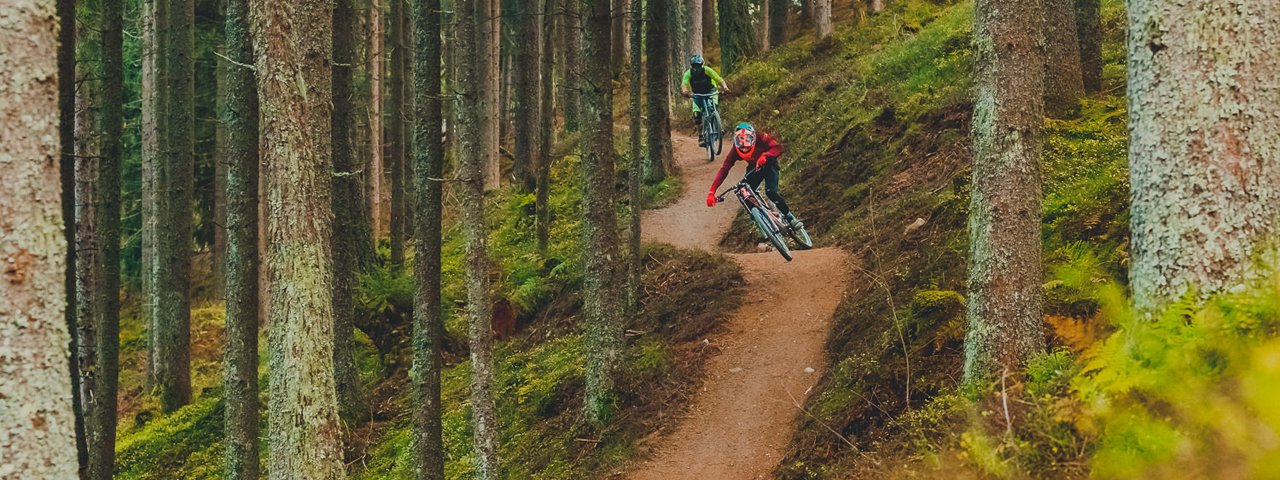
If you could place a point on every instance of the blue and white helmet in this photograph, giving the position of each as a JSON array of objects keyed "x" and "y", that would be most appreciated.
[{"x": 696, "y": 61}]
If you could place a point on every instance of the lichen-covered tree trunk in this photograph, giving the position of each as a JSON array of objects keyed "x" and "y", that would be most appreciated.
[
  {"x": 66, "y": 10},
  {"x": 1063, "y": 83},
  {"x": 169, "y": 296},
  {"x": 1204, "y": 129},
  {"x": 571, "y": 27},
  {"x": 346, "y": 201},
  {"x": 1004, "y": 302},
  {"x": 657, "y": 44},
  {"x": 1089, "y": 30},
  {"x": 602, "y": 316},
  {"x": 293, "y": 50},
  {"x": 778, "y": 10},
  {"x": 240, "y": 377},
  {"x": 821, "y": 10},
  {"x": 526, "y": 94},
  {"x": 696, "y": 31},
  {"x": 737, "y": 37},
  {"x": 395, "y": 153},
  {"x": 36, "y": 412},
  {"x": 634, "y": 261},
  {"x": 471, "y": 41},
  {"x": 546, "y": 125},
  {"x": 428, "y": 325}
]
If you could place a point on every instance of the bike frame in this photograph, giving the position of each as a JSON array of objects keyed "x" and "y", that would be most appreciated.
[{"x": 748, "y": 197}]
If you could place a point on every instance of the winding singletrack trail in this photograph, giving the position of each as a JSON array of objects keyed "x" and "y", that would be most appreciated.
[{"x": 742, "y": 418}]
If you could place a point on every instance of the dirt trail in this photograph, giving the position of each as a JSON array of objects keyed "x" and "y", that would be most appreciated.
[{"x": 770, "y": 352}]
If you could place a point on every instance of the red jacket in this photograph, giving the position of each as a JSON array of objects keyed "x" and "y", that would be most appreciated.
[{"x": 766, "y": 146}]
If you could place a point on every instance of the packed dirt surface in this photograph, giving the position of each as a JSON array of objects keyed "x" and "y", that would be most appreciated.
[{"x": 770, "y": 353}]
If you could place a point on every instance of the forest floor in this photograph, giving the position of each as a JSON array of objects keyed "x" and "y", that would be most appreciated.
[{"x": 770, "y": 350}]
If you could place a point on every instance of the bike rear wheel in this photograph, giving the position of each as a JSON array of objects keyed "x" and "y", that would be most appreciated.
[
  {"x": 711, "y": 135},
  {"x": 771, "y": 233}
]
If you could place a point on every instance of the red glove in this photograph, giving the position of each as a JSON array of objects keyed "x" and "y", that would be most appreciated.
[
  {"x": 760, "y": 163},
  {"x": 711, "y": 199}
]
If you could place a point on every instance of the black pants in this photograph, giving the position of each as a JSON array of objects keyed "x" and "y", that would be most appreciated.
[{"x": 769, "y": 174}]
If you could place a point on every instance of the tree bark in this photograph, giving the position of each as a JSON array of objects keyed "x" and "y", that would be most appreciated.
[
  {"x": 546, "y": 126},
  {"x": 395, "y": 151},
  {"x": 472, "y": 40},
  {"x": 36, "y": 411},
  {"x": 709, "y": 34},
  {"x": 657, "y": 89},
  {"x": 526, "y": 94},
  {"x": 491, "y": 80},
  {"x": 737, "y": 38},
  {"x": 293, "y": 47},
  {"x": 696, "y": 21},
  {"x": 240, "y": 377},
  {"x": 1204, "y": 128},
  {"x": 1063, "y": 82},
  {"x": 1089, "y": 29},
  {"x": 571, "y": 24},
  {"x": 377, "y": 150},
  {"x": 778, "y": 10},
  {"x": 634, "y": 262},
  {"x": 174, "y": 184},
  {"x": 620, "y": 46},
  {"x": 428, "y": 328},
  {"x": 602, "y": 316},
  {"x": 1004, "y": 304},
  {"x": 66, "y": 10},
  {"x": 822, "y": 17}
]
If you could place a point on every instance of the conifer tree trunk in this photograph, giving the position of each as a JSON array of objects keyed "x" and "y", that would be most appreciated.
[
  {"x": 526, "y": 94},
  {"x": 395, "y": 129},
  {"x": 634, "y": 262},
  {"x": 240, "y": 378},
  {"x": 571, "y": 25},
  {"x": 1063, "y": 82},
  {"x": 36, "y": 411},
  {"x": 658, "y": 89},
  {"x": 377, "y": 132},
  {"x": 1089, "y": 29},
  {"x": 471, "y": 41},
  {"x": 737, "y": 38},
  {"x": 345, "y": 200},
  {"x": 762, "y": 26},
  {"x": 174, "y": 169},
  {"x": 696, "y": 31},
  {"x": 491, "y": 84},
  {"x": 1204, "y": 129},
  {"x": 710, "y": 35},
  {"x": 1004, "y": 301},
  {"x": 619, "y": 45},
  {"x": 406, "y": 167},
  {"x": 293, "y": 48},
  {"x": 546, "y": 125},
  {"x": 821, "y": 11},
  {"x": 778, "y": 21},
  {"x": 602, "y": 315},
  {"x": 428, "y": 327}
]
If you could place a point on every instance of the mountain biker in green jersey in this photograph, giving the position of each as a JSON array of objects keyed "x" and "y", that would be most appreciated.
[{"x": 702, "y": 80}]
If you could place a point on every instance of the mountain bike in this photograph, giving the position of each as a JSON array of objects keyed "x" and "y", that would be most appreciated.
[
  {"x": 712, "y": 133},
  {"x": 768, "y": 220}
]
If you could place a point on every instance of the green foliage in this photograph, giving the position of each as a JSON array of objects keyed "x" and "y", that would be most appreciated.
[{"x": 184, "y": 444}]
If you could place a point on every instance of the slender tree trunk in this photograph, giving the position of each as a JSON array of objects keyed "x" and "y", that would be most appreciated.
[
  {"x": 678, "y": 45},
  {"x": 546, "y": 126},
  {"x": 170, "y": 272},
  {"x": 657, "y": 89},
  {"x": 472, "y": 39},
  {"x": 36, "y": 411},
  {"x": 1089, "y": 29},
  {"x": 696, "y": 26},
  {"x": 526, "y": 94},
  {"x": 822, "y": 17},
  {"x": 778, "y": 10},
  {"x": 619, "y": 41},
  {"x": 395, "y": 130},
  {"x": 153, "y": 104},
  {"x": 1063, "y": 82},
  {"x": 88, "y": 82},
  {"x": 1005, "y": 325},
  {"x": 602, "y": 315},
  {"x": 410, "y": 119},
  {"x": 1204, "y": 129},
  {"x": 710, "y": 36},
  {"x": 377, "y": 150},
  {"x": 293, "y": 47},
  {"x": 491, "y": 82},
  {"x": 66, "y": 10},
  {"x": 240, "y": 378},
  {"x": 762, "y": 26},
  {"x": 636, "y": 171},
  {"x": 737, "y": 38},
  {"x": 428, "y": 328},
  {"x": 572, "y": 25},
  {"x": 345, "y": 201}
]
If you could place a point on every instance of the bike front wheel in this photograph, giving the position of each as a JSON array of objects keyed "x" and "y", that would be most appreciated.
[
  {"x": 801, "y": 236},
  {"x": 771, "y": 233}
]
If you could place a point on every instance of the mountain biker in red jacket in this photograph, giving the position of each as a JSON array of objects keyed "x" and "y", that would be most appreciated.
[{"x": 761, "y": 151}]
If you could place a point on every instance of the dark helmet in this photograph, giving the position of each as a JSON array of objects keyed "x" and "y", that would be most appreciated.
[
  {"x": 744, "y": 138},
  {"x": 696, "y": 61}
]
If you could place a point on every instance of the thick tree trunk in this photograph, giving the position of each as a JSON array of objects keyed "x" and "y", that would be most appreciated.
[
  {"x": 293, "y": 47},
  {"x": 428, "y": 327},
  {"x": 546, "y": 125},
  {"x": 1063, "y": 83},
  {"x": 471, "y": 40},
  {"x": 619, "y": 46},
  {"x": 737, "y": 38},
  {"x": 1004, "y": 305},
  {"x": 345, "y": 200},
  {"x": 696, "y": 31},
  {"x": 821, "y": 11},
  {"x": 1089, "y": 29},
  {"x": 36, "y": 411},
  {"x": 1205, "y": 181},
  {"x": 778, "y": 10},
  {"x": 709, "y": 34},
  {"x": 571, "y": 25},
  {"x": 526, "y": 94},
  {"x": 174, "y": 184},
  {"x": 602, "y": 316},
  {"x": 395, "y": 152},
  {"x": 634, "y": 174},
  {"x": 657, "y": 89},
  {"x": 240, "y": 377}
]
